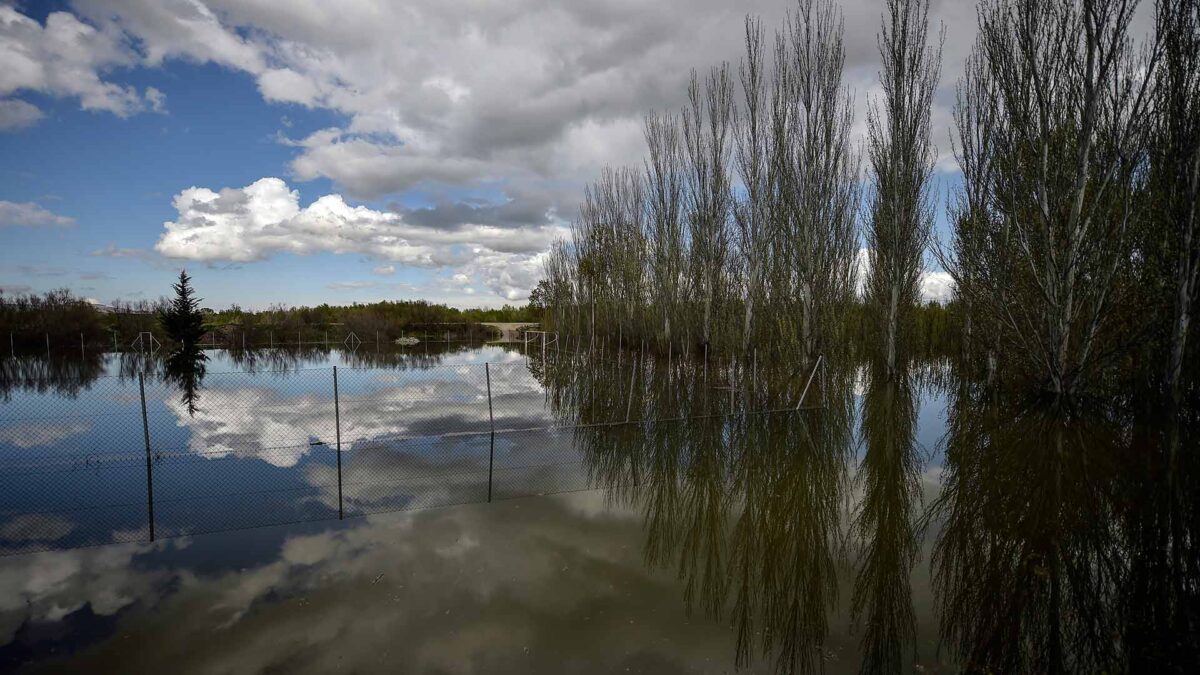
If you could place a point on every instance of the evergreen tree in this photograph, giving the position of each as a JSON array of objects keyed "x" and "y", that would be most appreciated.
[{"x": 182, "y": 319}]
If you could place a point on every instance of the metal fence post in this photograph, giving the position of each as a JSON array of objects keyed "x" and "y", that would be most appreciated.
[
  {"x": 149, "y": 464},
  {"x": 820, "y": 359},
  {"x": 487, "y": 371},
  {"x": 337, "y": 423},
  {"x": 629, "y": 400},
  {"x": 754, "y": 374}
]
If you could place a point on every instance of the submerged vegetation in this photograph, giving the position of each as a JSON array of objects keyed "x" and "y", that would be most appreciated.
[
  {"x": 1064, "y": 536},
  {"x": 752, "y": 224}
]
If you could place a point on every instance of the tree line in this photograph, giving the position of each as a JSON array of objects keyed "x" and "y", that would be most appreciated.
[
  {"x": 1073, "y": 242},
  {"x": 31, "y": 320}
]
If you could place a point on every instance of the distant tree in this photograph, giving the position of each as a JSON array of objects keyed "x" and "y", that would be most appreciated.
[
  {"x": 182, "y": 319},
  {"x": 539, "y": 297}
]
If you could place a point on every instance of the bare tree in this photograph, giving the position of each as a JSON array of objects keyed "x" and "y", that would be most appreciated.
[
  {"x": 664, "y": 205},
  {"x": 819, "y": 201},
  {"x": 901, "y": 158},
  {"x": 1175, "y": 158},
  {"x": 707, "y": 134},
  {"x": 754, "y": 234},
  {"x": 1065, "y": 101}
]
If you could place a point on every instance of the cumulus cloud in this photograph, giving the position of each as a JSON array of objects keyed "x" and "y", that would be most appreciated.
[
  {"x": 935, "y": 286},
  {"x": 528, "y": 99},
  {"x": 31, "y": 215},
  {"x": 264, "y": 218},
  {"x": 532, "y": 91},
  {"x": 17, "y": 114},
  {"x": 66, "y": 57}
]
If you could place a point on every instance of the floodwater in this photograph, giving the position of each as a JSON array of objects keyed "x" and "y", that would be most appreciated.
[{"x": 491, "y": 511}]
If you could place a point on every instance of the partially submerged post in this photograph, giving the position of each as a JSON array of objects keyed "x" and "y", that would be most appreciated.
[
  {"x": 487, "y": 372},
  {"x": 337, "y": 425},
  {"x": 149, "y": 470}
]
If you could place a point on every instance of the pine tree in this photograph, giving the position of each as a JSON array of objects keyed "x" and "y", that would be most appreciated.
[{"x": 182, "y": 319}]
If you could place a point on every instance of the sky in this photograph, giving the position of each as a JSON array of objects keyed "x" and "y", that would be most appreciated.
[{"x": 307, "y": 151}]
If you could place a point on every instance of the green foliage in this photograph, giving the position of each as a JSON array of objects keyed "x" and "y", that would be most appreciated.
[
  {"x": 539, "y": 298},
  {"x": 57, "y": 315},
  {"x": 182, "y": 319}
]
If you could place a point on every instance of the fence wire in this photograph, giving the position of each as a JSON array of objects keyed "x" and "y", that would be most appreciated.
[{"x": 135, "y": 458}]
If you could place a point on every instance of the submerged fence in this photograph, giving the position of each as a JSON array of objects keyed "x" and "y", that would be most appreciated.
[{"x": 140, "y": 458}]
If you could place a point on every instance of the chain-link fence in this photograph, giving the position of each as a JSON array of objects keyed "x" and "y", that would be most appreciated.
[{"x": 140, "y": 457}]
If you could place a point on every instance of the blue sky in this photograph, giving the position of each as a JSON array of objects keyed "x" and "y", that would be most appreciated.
[{"x": 447, "y": 143}]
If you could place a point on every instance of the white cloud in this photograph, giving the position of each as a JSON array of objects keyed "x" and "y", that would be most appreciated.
[
  {"x": 265, "y": 217},
  {"x": 530, "y": 98},
  {"x": 17, "y": 114},
  {"x": 32, "y": 435},
  {"x": 384, "y": 270},
  {"x": 30, "y": 214},
  {"x": 156, "y": 100},
  {"x": 937, "y": 287},
  {"x": 66, "y": 57},
  {"x": 531, "y": 91},
  {"x": 350, "y": 285}
]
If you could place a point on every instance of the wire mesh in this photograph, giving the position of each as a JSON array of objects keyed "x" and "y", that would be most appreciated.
[{"x": 106, "y": 463}]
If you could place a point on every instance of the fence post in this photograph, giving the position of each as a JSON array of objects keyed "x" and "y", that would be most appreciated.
[
  {"x": 820, "y": 360},
  {"x": 337, "y": 423},
  {"x": 149, "y": 470},
  {"x": 12, "y": 346},
  {"x": 487, "y": 371},
  {"x": 754, "y": 373},
  {"x": 47, "y": 346},
  {"x": 82, "y": 352},
  {"x": 629, "y": 400}
]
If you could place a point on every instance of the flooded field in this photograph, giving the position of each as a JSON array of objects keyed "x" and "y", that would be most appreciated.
[{"x": 481, "y": 509}]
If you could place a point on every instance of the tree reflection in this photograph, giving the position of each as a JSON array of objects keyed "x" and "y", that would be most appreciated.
[
  {"x": 741, "y": 493},
  {"x": 185, "y": 368},
  {"x": 888, "y": 487},
  {"x": 40, "y": 374},
  {"x": 1161, "y": 594},
  {"x": 1031, "y": 564}
]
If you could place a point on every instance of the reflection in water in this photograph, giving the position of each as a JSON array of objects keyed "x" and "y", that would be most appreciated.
[
  {"x": 1027, "y": 553},
  {"x": 42, "y": 375},
  {"x": 185, "y": 368},
  {"x": 1065, "y": 544},
  {"x": 743, "y": 498},
  {"x": 1162, "y": 592},
  {"x": 1062, "y": 542},
  {"x": 66, "y": 376},
  {"x": 887, "y": 481}
]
